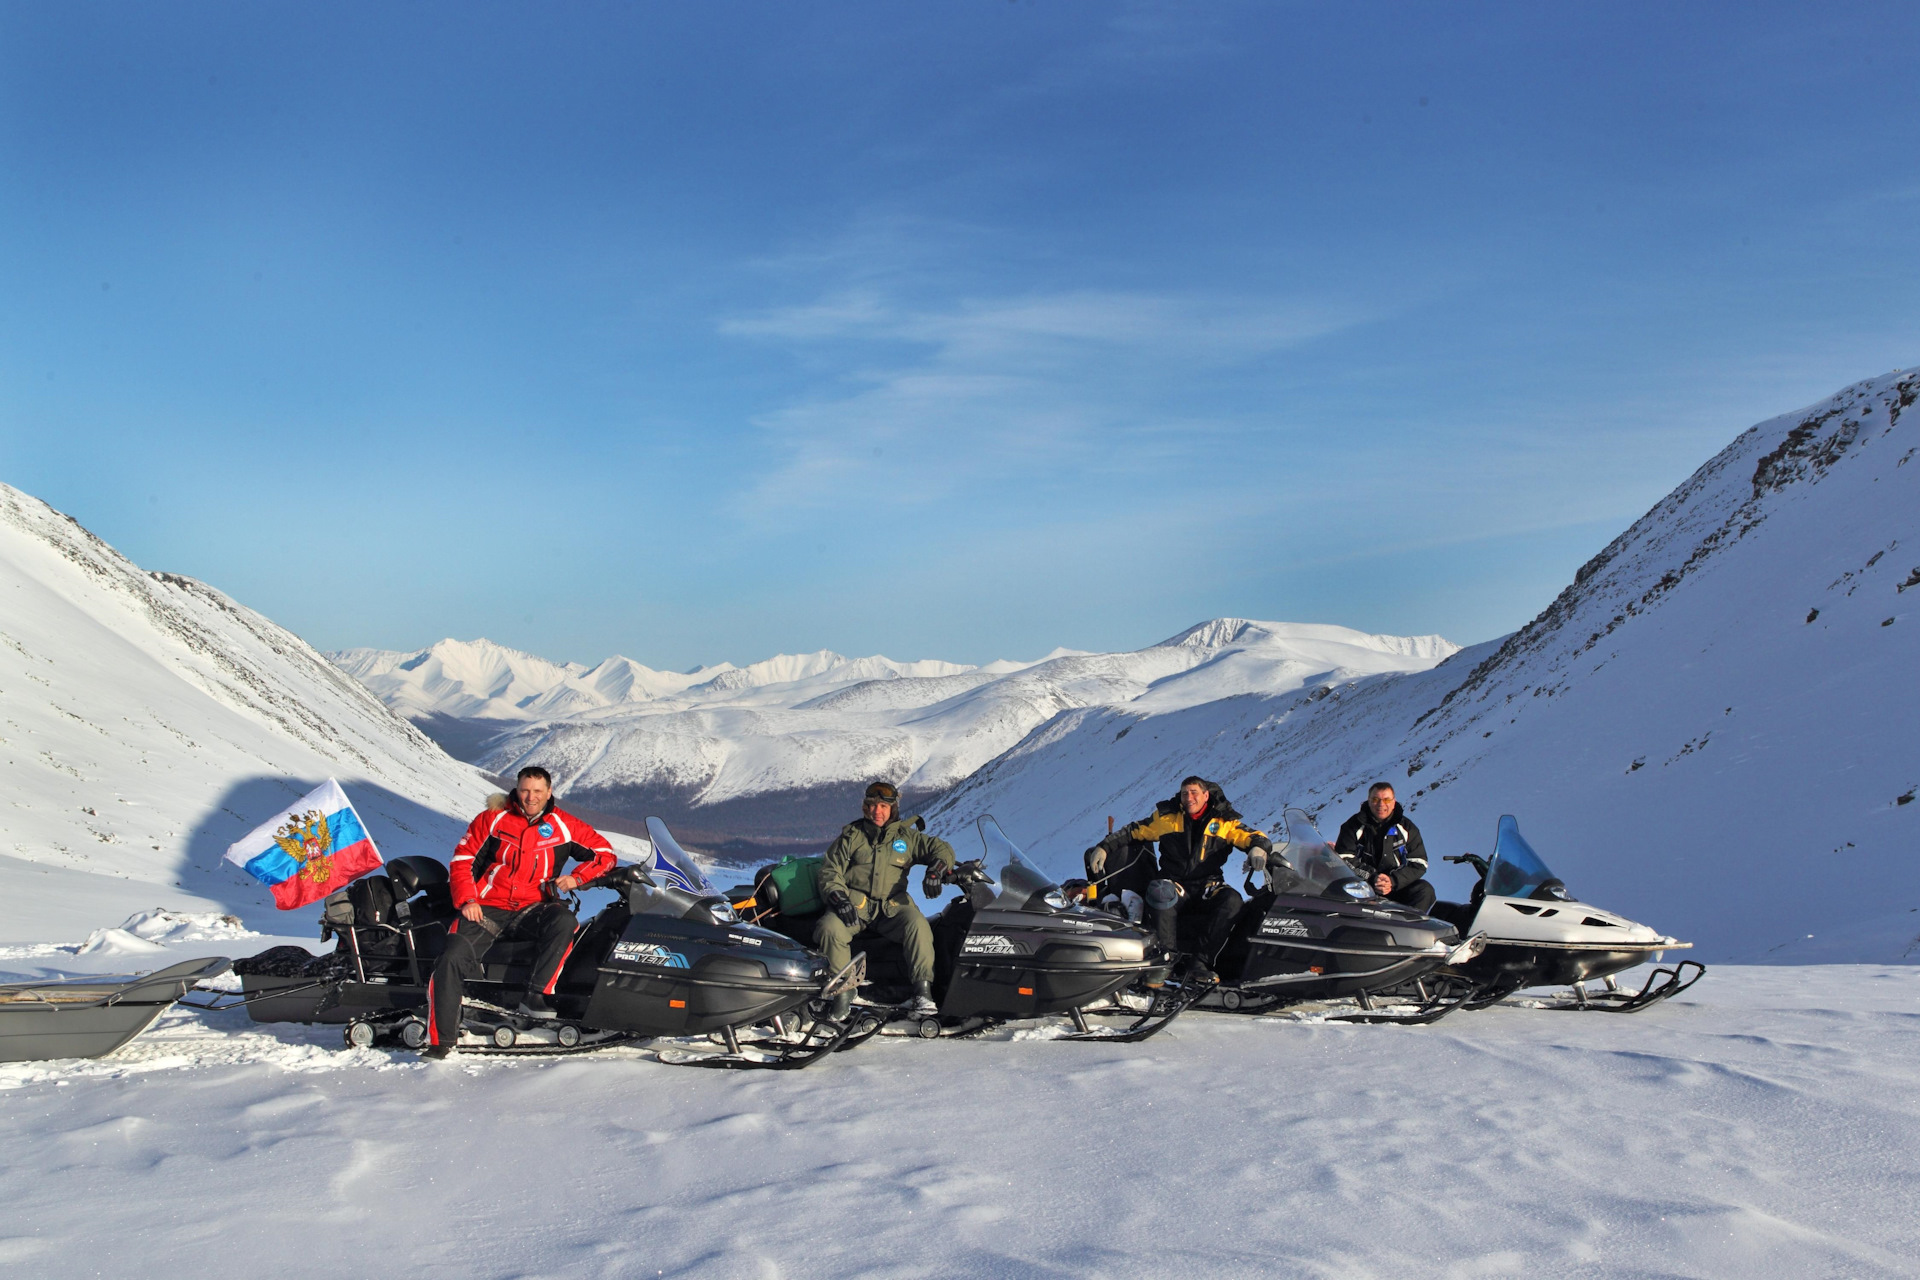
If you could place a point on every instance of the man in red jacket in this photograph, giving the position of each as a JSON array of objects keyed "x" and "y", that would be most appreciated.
[{"x": 500, "y": 872}]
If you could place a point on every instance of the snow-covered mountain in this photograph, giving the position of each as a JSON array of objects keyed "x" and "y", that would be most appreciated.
[
  {"x": 149, "y": 721},
  {"x": 1712, "y": 728},
  {"x": 774, "y": 751}
]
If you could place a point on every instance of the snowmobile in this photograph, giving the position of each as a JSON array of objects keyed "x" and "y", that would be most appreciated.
[
  {"x": 1010, "y": 947},
  {"x": 1537, "y": 936},
  {"x": 1316, "y": 931},
  {"x": 667, "y": 958}
]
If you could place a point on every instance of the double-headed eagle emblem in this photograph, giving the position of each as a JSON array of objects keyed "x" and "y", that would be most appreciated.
[{"x": 308, "y": 841}]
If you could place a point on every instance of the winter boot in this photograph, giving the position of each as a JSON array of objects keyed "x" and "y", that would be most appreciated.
[
  {"x": 1199, "y": 973},
  {"x": 840, "y": 1008},
  {"x": 923, "y": 1005}
]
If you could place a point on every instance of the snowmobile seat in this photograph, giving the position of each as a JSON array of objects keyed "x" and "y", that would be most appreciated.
[{"x": 414, "y": 873}]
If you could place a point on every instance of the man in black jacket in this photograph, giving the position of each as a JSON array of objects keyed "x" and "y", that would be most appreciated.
[
  {"x": 1197, "y": 831},
  {"x": 1382, "y": 844}
]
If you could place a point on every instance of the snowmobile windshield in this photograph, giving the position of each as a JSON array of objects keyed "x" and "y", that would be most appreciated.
[
  {"x": 681, "y": 889},
  {"x": 1023, "y": 886},
  {"x": 1306, "y": 865},
  {"x": 1516, "y": 870}
]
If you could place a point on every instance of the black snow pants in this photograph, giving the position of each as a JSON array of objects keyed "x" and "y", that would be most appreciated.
[
  {"x": 1217, "y": 911},
  {"x": 549, "y": 924},
  {"x": 1419, "y": 895}
]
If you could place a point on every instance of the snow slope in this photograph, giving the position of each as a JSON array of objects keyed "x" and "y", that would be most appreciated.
[
  {"x": 1711, "y": 729},
  {"x": 1762, "y": 1124},
  {"x": 780, "y": 747},
  {"x": 149, "y": 721}
]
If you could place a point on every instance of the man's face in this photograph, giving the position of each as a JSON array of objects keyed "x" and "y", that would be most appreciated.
[
  {"x": 1194, "y": 796},
  {"x": 879, "y": 812},
  {"x": 1381, "y": 802},
  {"x": 533, "y": 794}
]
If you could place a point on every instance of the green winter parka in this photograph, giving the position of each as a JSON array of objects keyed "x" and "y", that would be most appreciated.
[{"x": 871, "y": 863}]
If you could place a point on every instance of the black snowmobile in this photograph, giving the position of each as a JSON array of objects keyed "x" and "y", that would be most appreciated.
[
  {"x": 1538, "y": 936},
  {"x": 667, "y": 958},
  {"x": 1316, "y": 931},
  {"x": 1010, "y": 947}
]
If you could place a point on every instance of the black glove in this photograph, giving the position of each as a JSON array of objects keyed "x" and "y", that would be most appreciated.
[
  {"x": 842, "y": 906},
  {"x": 934, "y": 880}
]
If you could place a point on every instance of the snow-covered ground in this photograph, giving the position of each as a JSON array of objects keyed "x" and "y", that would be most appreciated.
[{"x": 1765, "y": 1123}]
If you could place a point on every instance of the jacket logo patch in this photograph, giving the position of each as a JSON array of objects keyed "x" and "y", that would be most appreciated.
[
  {"x": 650, "y": 953},
  {"x": 546, "y": 828},
  {"x": 993, "y": 944},
  {"x": 899, "y": 846}
]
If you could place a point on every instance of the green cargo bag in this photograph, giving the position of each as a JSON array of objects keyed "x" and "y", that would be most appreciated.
[{"x": 796, "y": 886}]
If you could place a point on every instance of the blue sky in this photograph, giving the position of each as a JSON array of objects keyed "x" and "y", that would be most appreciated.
[{"x": 939, "y": 330}]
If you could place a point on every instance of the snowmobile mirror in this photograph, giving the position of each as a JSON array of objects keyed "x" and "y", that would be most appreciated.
[{"x": 1551, "y": 891}]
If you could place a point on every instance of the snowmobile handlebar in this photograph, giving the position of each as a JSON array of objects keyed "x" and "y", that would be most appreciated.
[
  {"x": 963, "y": 874},
  {"x": 621, "y": 878},
  {"x": 1475, "y": 860}
]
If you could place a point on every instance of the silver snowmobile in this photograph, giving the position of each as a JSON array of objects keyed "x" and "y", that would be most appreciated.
[{"x": 1537, "y": 935}]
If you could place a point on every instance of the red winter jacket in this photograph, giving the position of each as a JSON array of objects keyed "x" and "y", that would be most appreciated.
[{"x": 504, "y": 859}]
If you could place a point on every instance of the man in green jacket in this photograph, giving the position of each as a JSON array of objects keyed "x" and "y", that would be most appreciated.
[{"x": 863, "y": 880}]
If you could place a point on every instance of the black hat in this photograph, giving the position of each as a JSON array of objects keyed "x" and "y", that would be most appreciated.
[{"x": 884, "y": 791}]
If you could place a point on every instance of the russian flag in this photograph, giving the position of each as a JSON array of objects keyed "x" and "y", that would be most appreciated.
[{"x": 309, "y": 849}]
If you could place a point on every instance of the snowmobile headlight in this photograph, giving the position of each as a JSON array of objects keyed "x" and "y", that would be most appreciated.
[
  {"x": 1357, "y": 889},
  {"x": 1055, "y": 898}
]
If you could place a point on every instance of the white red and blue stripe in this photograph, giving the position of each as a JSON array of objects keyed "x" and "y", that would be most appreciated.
[{"x": 314, "y": 846}]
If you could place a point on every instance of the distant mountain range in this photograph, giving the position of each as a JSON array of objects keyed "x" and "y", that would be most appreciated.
[{"x": 775, "y": 752}]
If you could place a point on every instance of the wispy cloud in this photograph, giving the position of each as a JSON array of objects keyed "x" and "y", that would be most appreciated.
[{"x": 1070, "y": 385}]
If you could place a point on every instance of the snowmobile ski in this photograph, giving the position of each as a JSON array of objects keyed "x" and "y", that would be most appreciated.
[{"x": 1158, "y": 1016}]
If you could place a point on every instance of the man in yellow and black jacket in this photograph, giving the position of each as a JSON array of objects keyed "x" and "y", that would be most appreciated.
[{"x": 1197, "y": 831}]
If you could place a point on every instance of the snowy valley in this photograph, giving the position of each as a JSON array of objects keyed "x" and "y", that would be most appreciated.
[{"x": 1708, "y": 730}]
